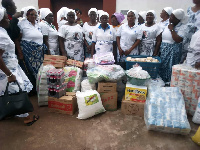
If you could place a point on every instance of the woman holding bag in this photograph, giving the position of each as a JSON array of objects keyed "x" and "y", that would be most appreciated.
[{"x": 10, "y": 70}]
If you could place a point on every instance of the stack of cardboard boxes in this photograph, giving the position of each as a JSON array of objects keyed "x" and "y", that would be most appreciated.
[
  {"x": 65, "y": 105},
  {"x": 55, "y": 60},
  {"x": 134, "y": 100},
  {"x": 108, "y": 93}
]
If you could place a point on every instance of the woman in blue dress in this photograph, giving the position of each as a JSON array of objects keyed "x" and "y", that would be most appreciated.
[
  {"x": 171, "y": 46},
  {"x": 191, "y": 27}
]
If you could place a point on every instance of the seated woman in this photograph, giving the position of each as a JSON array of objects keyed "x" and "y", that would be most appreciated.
[
  {"x": 193, "y": 55},
  {"x": 151, "y": 38},
  {"x": 103, "y": 37},
  {"x": 50, "y": 34},
  {"x": 71, "y": 38},
  {"x": 165, "y": 14},
  {"x": 10, "y": 70},
  {"x": 88, "y": 29},
  {"x": 171, "y": 46},
  {"x": 129, "y": 36},
  {"x": 32, "y": 49}
]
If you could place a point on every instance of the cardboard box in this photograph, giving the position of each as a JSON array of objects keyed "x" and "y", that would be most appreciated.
[
  {"x": 63, "y": 105},
  {"x": 132, "y": 108},
  {"x": 135, "y": 93},
  {"x": 57, "y": 64},
  {"x": 55, "y": 58},
  {"x": 105, "y": 87},
  {"x": 71, "y": 62},
  {"x": 109, "y": 100}
]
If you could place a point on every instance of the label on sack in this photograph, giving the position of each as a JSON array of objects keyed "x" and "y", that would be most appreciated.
[{"x": 90, "y": 100}]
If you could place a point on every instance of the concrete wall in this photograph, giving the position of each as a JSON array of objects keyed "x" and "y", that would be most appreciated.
[
  {"x": 138, "y": 5},
  {"x": 23, "y": 3},
  {"x": 157, "y": 5}
]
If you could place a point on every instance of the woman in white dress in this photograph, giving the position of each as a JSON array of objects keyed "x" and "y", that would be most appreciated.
[
  {"x": 50, "y": 34},
  {"x": 129, "y": 36},
  {"x": 103, "y": 37},
  {"x": 71, "y": 38},
  {"x": 165, "y": 14},
  {"x": 62, "y": 16},
  {"x": 10, "y": 71},
  {"x": 88, "y": 29},
  {"x": 151, "y": 38}
]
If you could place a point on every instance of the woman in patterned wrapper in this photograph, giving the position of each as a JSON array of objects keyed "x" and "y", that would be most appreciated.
[
  {"x": 71, "y": 38},
  {"x": 171, "y": 47},
  {"x": 88, "y": 29},
  {"x": 192, "y": 12},
  {"x": 10, "y": 71},
  {"x": 30, "y": 45},
  {"x": 151, "y": 39}
]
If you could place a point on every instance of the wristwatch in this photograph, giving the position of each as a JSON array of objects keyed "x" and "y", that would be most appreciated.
[{"x": 172, "y": 30}]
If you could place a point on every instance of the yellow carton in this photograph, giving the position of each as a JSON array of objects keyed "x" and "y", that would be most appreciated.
[{"x": 135, "y": 93}]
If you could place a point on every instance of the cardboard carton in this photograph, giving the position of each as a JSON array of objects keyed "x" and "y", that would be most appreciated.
[
  {"x": 105, "y": 87},
  {"x": 109, "y": 100},
  {"x": 57, "y": 64},
  {"x": 64, "y": 105},
  {"x": 55, "y": 58},
  {"x": 135, "y": 93},
  {"x": 71, "y": 62},
  {"x": 132, "y": 108}
]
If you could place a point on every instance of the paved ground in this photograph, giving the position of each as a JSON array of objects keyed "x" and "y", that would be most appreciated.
[{"x": 108, "y": 131}]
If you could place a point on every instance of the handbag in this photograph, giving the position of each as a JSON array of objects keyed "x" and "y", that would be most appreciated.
[{"x": 14, "y": 104}]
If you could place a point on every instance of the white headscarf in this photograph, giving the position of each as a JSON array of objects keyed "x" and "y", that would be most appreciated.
[
  {"x": 23, "y": 9},
  {"x": 168, "y": 10},
  {"x": 180, "y": 15},
  {"x": 103, "y": 13},
  {"x": 28, "y": 8},
  {"x": 143, "y": 14},
  {"x": 154, "y": 13},
  {"x": 62, "y": 13},
  {"x": 72, "y": 10},
  {"x": 136, "y": 15},
  {"x": 2, "y": 13},
  {"x": 92, "y": 9},
  {"x": 44, "y": 12}
]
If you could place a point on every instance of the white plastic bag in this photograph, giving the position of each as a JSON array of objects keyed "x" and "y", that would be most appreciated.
[
  {"x": 196, "y": 117},
  {"x": 158, "y": 82},
  {"x": 42, "y": 87},
  {"x": 73, "y": 76},
  {"x": 89, "y": 104},
  {"x": 86, "y": 85}
]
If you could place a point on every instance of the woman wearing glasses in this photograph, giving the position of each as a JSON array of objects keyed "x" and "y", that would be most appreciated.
[{"x": 30, "y": 45}]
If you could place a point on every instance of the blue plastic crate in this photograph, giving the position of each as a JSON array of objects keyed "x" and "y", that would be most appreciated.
[{"x": 151, "y": 67}]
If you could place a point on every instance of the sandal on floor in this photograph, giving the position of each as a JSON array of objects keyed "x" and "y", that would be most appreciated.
[{"x": 35, "y": 118}]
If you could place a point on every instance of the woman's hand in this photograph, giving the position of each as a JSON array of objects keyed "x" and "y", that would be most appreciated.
[
  {"x": 89, "y": 48},
  {"x": 121, "y": 52},
  {"x": 197, "y": 65},
  {"x": 127, "y": 52},
  {"x": 171, "y": 26},
  {"x": 11, "y": 78}
]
